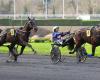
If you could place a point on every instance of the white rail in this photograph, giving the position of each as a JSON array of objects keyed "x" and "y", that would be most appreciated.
[{"x": 49, "y": 16}]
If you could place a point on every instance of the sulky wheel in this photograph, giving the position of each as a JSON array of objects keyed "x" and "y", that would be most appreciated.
[
  {"x": 55, "y": 54},
  {"x": 81, "y": 55}
]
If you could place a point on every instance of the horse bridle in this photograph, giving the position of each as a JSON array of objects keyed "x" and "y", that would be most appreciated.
[{"x": 26, "y": 31}]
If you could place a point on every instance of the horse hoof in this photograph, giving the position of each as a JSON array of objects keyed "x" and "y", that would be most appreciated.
[
  {"x": 35, "y": 52},
  {"x": 55, "y": 62},
  {"x": 9, "y": 61},
  {"x": 15, "y": 62},
  {"x": 70, "y": 52}
]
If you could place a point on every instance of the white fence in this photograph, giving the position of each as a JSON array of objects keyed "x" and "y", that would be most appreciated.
[
  {"x": 56, "y": 16},
  {"x": 47, "y": 9}
]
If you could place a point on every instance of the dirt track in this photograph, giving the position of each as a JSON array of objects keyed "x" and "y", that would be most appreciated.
[{"x": 32, "y": 67}]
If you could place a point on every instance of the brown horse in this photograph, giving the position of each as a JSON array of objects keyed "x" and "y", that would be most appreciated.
[
  {"x": 20, "y": 36},
  {"x": 29, "y": 45},
  {"x": 82, "y": 36}
]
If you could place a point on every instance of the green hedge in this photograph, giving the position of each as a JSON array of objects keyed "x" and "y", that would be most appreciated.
[
  {"x": 89, "y": 23},
  {"x": 39, "y": 40},
  {"x": 5, "y": 22},
  {"x": 60, "y": 22},
  {"x": 51, "y": 22}
]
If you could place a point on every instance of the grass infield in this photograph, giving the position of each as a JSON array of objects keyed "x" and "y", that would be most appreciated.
[{"x": 44, "y": 49}]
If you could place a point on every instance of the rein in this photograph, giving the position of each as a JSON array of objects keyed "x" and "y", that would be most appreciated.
[
  {"x": 23, "y": 31},
  {"x": 70, "y": 29}
]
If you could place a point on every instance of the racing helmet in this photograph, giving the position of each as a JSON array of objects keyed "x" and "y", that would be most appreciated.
[{"x": 55, "y": 27}]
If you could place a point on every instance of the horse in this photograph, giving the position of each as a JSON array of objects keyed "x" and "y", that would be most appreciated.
[
  {"x": 82, "y": 36},
  {"x": 19, "y": 37},
  {"x": 29, "y": 45}
]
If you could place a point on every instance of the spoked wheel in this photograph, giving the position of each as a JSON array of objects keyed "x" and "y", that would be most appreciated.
[
  {"x": 55, "y": 54},
  {"x": 81, "y": 55}
]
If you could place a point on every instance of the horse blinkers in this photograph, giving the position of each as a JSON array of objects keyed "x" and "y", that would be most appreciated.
[{"x": 32, "y": 24}]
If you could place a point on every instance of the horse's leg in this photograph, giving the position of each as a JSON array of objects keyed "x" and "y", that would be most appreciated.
[
  {"x": 75, "y": 49},
  {"x": 8, "y": 48},
  {"x": 16, "y": 49},
  {"x": 29, "y": 45},
  {"x": 10, "y": 54},
  {"x": 15, "y": 53},
  {"x": 72, "y": 52},
  {"x": 22, "y": 49},
  {"x": 11, "y": 51},
  {"x": 93, "y": 50}
]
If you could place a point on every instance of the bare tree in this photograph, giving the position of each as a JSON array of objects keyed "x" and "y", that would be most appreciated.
[
  {"x": 74, "y": 4},
  {"x": 6, "y": 8},
  {"x": 40, "y": 7},
  {"x": 90, "y": 7},
  {"x": 25, "y": 10}
]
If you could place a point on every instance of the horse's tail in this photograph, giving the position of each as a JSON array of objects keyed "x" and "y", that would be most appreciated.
[
  {"x": 1, "y": 30},
  {"x": 71, "y": 44}
]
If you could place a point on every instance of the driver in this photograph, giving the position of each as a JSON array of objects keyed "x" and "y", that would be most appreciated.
[{"x": 57, "y": 36}]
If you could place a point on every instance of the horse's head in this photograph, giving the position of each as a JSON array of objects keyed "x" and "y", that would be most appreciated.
[
  {"x": 31, "y": 24},
  {"x": 69, "y": 43}
]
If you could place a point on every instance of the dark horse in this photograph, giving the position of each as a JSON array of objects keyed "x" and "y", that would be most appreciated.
[
  {"x": 82, "y": 36},
  {"x": 16, "y": 48},
  {"x": 20, "y": 37}
]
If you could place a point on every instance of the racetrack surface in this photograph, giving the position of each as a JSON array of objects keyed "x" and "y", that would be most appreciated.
[{"x": 34, "y": 67}]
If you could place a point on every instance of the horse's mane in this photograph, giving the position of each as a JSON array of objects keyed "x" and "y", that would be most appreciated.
[{"x": 25, "y": 24}]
